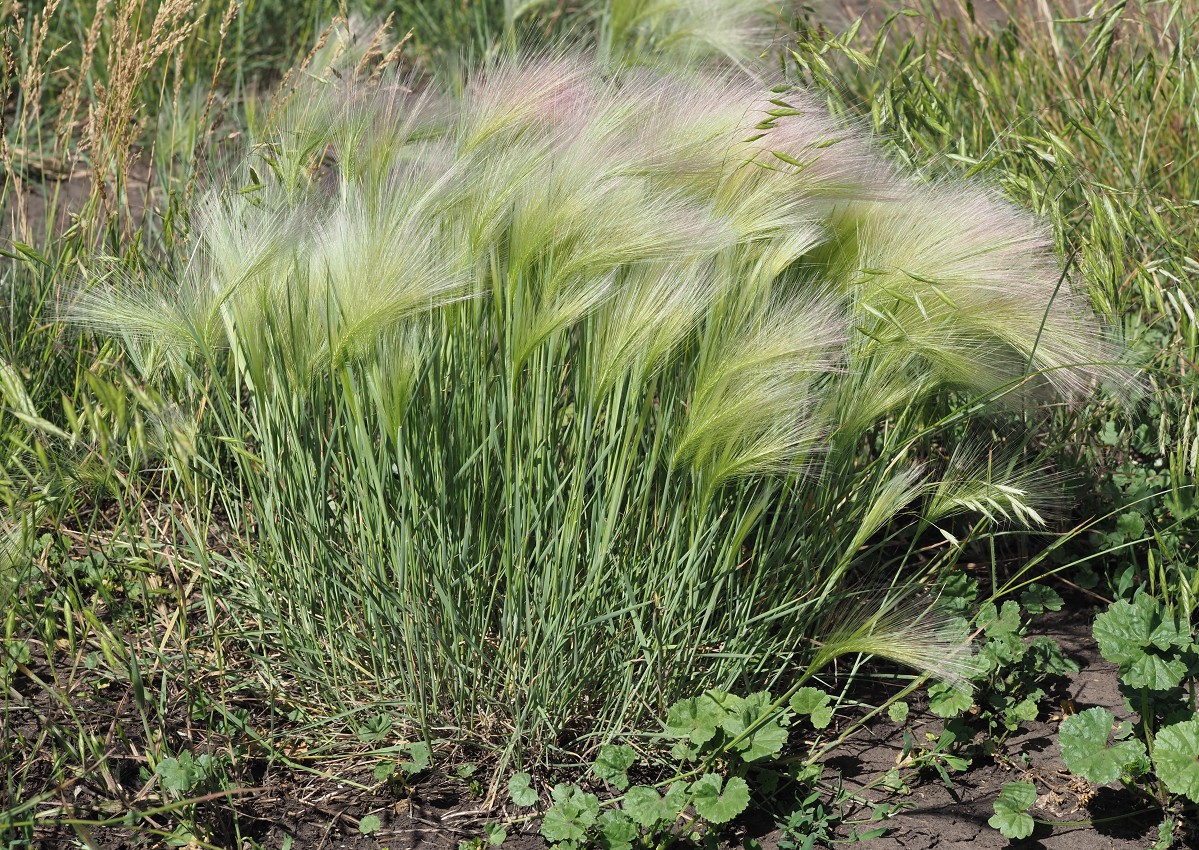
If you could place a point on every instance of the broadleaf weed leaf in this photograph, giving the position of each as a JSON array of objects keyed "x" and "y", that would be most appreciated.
[
  {"x": 1024, "y": 711},
  {"x": 683, "y": 751},
  {"x": 766, "y": 740},
  {"x": 1145, "y": 641},
  {"x": 959, "y": 592},
  {"x": 645, "y": 805},
  {"x": 574, "y": 811},
  {"x": 947, "y": 699},
  {"x": 616, "y": 831},
  {"x": 1018, "y": 795},
  {"x": 1048, "y": 657},
  {"x": 1154, "y": 672},
  {"x": 369, "y": 824},
  {"x": 1176, "y": 758},
  {"x": 1011, "y": 816},
  {"x": 695, "y": 719},
  {"x": 496, "y": 833},
  {"x": 420, "y": 755},
  {"x": 1165, "y": 833},
  {"x": 613, "y": 763},
  {"x": 521, "y": 791},
  {"x": 1001, "y": 650},
  {"x": 675, "y": 799},
  {"x": 1085, "y": 750},
  {"x": 717, "y": 806},
  {"x": 176, "y": 774},
  {"x": 1004, "y": 621},
  {"x": 1038, "y": 598},
  {"x": 563, "y": 791},
  {"x": 1130, "y": 526},
  {"x": 375, "y": 728},
  {"x": 648, "y": 808},
  {"x": 814, "y": 703}
]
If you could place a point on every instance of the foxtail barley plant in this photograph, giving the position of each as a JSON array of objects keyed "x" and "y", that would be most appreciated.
[{"x": 539, "y": 407}]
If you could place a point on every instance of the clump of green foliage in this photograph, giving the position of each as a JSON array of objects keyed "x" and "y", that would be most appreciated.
[
  {"x": 1009, "y": 671},
  {"x": 1107, "y": 167},
  {"x": 1158, "y": 667},
  {"x": 1157, "y": 755},
  {"x": 1082, "y": 121},
  {"x": 546, "y": 402},
  {"x": 728, "y": 755}
]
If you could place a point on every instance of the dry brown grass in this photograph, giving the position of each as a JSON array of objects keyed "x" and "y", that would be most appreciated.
[{"x": 78, "y": 119}]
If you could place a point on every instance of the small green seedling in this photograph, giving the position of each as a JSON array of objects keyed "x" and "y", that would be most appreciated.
[{"x": 1011, "y": 816}]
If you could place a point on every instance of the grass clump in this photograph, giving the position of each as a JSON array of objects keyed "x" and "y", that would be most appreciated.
[
  {"x": 511, "y": 415},
  {"x": 537, "y": 409}
]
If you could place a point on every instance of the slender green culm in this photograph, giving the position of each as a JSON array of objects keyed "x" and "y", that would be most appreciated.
[{"x": 539, "y": 407}]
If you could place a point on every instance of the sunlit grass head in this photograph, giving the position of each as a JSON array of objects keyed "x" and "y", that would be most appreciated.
[
  {"x": 637, "y": 372},
  {"x": 971, "y": 287}
]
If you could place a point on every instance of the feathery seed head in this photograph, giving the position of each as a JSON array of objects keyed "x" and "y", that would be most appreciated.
[
  {"x": 970, "y": 285},
  {"x": 915, "y": 632},
  {"x": 641, "y": 219}
]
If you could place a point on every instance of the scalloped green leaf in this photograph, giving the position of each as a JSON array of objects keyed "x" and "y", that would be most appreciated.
[
  {"x": 1011, "y": 816},
  {"x": 695, "y": 719},
  {"x": 1037, "y": 598},
  {"x": 1144, "y": 640},
  {"x": 613, "y": 763},
  {"x": 1176, "y": 758},
  {"x": 496, "y": 834},
  {"x": 715, "y": 805},
  {"x": 1018, "y": 795},
  {"x": 521, "y": 791},
  {"x": 648, "y": 808},
  {"x": 1026, "y": 709},
  {"x": 947, "y": 699},
  {"x": 814, "y": 703},
  {"x": 176, "y": 774},
  {"x": 369, "y": 824},
  {"x": 644, "y": 805},
  {"x": 573, "y": 812},
  {"x": 1154, "y": 672},
  {"x": 1001, "y": 622},
  {"x": 616, "y": 831},
  {"x": 420, "y": 756},
  {"x": 1085, "y": 749},
  {"x": 767, "y": 739}
]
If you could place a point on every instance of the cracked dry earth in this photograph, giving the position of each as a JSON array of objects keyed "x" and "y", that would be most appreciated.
[{"x": 936, "y": 817}]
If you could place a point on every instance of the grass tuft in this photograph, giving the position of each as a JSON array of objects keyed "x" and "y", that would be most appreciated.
[{"x": 575, "y": 368}]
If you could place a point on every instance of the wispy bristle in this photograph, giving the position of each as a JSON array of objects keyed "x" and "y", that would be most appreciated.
[
  {"x": 915, "y": 632},
  {"x": 663, "y": 214},
  {"x": 972, "y": 286}
]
